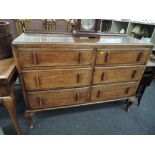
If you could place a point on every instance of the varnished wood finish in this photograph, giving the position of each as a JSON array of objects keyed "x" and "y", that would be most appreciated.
[
  {"x": 9, "y": 103},
  {"x": 113, "y": 91},
  {"x": 105, "y": 75},
  {"x": 7, "y": 69},
  {"x": 59, "y": 70},
  {"x": 121, "y": 57},
  {"x": 57, "y": 98},
  {"x": 64, "y": 57},
  {"x": 8, "y": 75},
  {"x": 56, "y": 78}
]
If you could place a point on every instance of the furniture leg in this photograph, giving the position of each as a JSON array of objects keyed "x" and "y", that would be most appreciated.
[
  {"x": 29, "y": 118},
  {"x": 9, "y": 103},
  {"x": 130, "y": 102}
]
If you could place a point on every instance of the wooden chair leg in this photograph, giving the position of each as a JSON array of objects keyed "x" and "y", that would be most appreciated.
[{"x": 9, "y": 103}]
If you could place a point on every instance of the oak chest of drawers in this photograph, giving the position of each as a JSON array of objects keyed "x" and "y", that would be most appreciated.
[{"x": 58, "y": 70}]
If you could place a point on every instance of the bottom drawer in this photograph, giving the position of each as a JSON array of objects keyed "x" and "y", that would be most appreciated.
[
  {"x": 56, "y": 98},
  {"x": 113, "y": 91}
]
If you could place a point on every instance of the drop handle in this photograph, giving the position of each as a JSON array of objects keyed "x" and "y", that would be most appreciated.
[
  {"x": 127, "y": 90},
  {"x": 78, "y": 78},
  {"x": 35, "y": 60},
  {"x": 102, "y": 76},
  {"x": 37, "y": 81},
  {"x": 106, "y": 57},
  {"x": 98, "y": 93},
  {"x": 139, "y": 57},
  {"x": 77, "y": 97},
  {"x": 79, "y": 57},
  {"x": 40, "y": 101},
  {"x": 133, "y": 74}
]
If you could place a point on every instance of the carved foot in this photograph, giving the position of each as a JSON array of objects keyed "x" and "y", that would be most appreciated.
[
  {"x": 29, "y": 118},
  {"x": 130, "y": 102}
]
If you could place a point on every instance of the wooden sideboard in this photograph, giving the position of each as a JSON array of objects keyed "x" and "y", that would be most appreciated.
[{"x": 59, "y": 70}]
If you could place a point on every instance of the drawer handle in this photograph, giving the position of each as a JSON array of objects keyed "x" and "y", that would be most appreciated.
[
  {"x": 79, "y": 57},
  {"x": 40, "y": 101},
  {"x": 102, "y": 76},
  {"x": 78, "y": 78},
  {"x": 127, "y": 90},
  {"x": 77, "y": 97},
  {"x": 37, "y": 81},
  {"x": 133, "y": 74},
  {"x": 106, "y": 57},
  {"x": 98, "y": 93},
  {"x": 35, "y": 61},
  {"x": 139, "y": 57}
]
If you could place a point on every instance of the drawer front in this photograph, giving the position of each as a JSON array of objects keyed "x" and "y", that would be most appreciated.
[
  {"x": 56, "y": 78},
  {"x": 56, "y": 98},
  {"x": 112, "y": 57},
  {"x": 55, "y": 57},
  {"x": 114, "y": 91},
  {"x": 103, "y": 75}
]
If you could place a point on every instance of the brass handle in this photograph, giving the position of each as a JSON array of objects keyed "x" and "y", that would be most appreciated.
[
  {"x": 37, "y": 81},
  {"x": 139, "y": 57},
  {"x": 77, "y": 97},
  {"x": 78, "y": 78},
  {"x": 127, "y": 90},
  {"x": 133, "y": 74},
  {"x": 40, "y": 101},
  {"x": 102, "y": 76},
  {"x": 35, "y": 61},
  {"x": 79, "y": 57},
  {"x": 106, "y": 57},
  {"x": 98, "y": 93}
]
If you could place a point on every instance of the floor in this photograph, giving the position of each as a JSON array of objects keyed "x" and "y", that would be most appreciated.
[{"x": 103, "y": 119}]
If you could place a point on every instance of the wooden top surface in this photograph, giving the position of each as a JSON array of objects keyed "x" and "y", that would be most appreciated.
[
  {"x": 7, "y": 67},
  {"x": 36, "y": 38}
]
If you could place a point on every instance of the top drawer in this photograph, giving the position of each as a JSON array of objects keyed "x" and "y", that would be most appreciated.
[
  {"x": 124, "y": 56},
  {"x": 41, "y": 58}
]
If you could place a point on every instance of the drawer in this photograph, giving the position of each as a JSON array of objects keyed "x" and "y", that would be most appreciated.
[
  {"x": 56, "y": 78},
  {"x": 112, "y": 57},
  {"x": 103, "y": 75},
  {"x": 113, "y": 91},
  {"x": 56, "y": 98},
  {"x": 55, "y": 58}
]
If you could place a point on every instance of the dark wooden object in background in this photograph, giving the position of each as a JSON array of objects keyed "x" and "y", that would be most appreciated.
[
  {"x": 8, "y": 75},
  {"x": 5, "y": 40},
  {"x": 146, "y": 80}
]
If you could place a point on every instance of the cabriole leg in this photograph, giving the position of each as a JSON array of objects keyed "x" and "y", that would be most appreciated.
[{"x": 29, "y": 118}]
